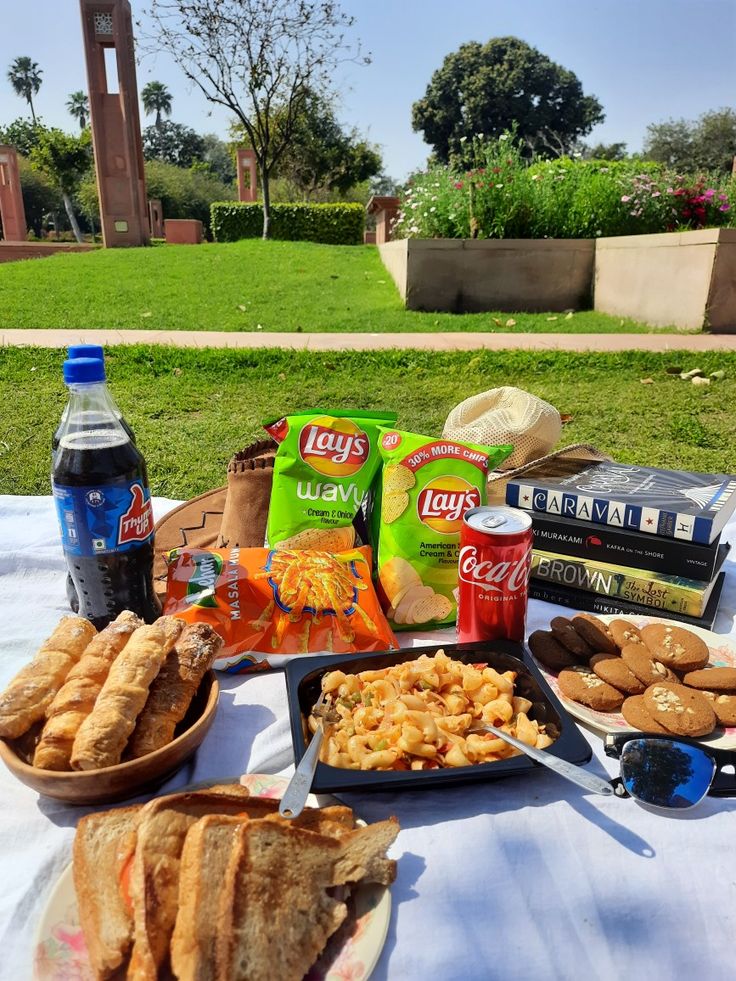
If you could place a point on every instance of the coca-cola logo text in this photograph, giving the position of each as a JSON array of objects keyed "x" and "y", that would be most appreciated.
[
  {"x": 496, "y": 577},
  {"x": 136, "y": 524}
]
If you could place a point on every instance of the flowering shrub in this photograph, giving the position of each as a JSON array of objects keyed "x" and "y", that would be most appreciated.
[{"x": 505, "y": 196}]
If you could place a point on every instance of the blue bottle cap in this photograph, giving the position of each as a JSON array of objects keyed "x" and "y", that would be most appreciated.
[
  {"x": 86, "y": 351},
  {"x": 80, "y": 370}
]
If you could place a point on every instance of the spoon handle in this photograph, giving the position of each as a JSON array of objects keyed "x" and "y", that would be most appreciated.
[
  {"x": 589, "y": 781},
  {"x": 295, "y": 795}
]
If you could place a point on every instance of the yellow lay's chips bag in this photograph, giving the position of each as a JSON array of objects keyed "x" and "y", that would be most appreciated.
[{"x": 426, "y": 487}]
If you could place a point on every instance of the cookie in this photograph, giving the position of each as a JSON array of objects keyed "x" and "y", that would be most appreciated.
[
  {"x": 712, "y": 679},
  {"x": 724, "y": 706},
  {"x": 676, "y": 647},
  {"x": 583, "y": 686},
  {"x": 547, "y": 649},
  {"x": 682, "y": 711},
  {"x": 635, "y": 713},
  {"x": 640, "y": 662},
  {"x": 624, "y": 632},
  {"x": 595, "y": 633},
  {"x": 563, "y": 630},
  {"x": 613, "y": 671}
]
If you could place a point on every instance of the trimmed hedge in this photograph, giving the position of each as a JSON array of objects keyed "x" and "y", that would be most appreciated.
[{"x": 332, "y": 224}]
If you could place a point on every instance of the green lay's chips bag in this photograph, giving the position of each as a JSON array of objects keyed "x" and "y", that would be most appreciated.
[
  {"x": 324, "y": 467},
  {"x": 427, "y": 485}
]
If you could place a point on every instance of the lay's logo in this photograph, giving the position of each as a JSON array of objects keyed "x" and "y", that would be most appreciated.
[
  {"x": 334, "y": 447},
  {"x": 443, "y": 502}
]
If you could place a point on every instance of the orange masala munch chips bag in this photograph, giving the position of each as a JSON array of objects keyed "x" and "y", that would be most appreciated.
[{"x": 269, "y": 605}]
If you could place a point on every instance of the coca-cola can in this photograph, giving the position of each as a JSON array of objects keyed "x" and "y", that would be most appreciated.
[{"x": 493, "y": 574}]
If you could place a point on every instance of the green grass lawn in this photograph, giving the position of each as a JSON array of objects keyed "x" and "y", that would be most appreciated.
[
  {"x": 191, "y": 409},
  {"x": 243, "y": 286}
]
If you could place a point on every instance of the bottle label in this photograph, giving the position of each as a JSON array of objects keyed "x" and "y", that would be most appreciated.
[{"x": 97, "y": 520}]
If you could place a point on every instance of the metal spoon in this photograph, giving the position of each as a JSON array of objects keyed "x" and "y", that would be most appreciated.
[
  {"x": 576, "y": 774},
  {"x": 295, "y": 796}
]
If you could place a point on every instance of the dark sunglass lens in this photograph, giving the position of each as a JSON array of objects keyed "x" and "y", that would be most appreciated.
[{"x": 666, "y": 774}]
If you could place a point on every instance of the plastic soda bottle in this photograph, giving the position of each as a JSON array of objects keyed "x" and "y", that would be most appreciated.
[{"x": 103, "y": 502}]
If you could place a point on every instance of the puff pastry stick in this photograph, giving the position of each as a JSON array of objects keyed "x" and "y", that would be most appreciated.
[
  {"x": 76, "y": 697},
  {"x": 29, "y": 694},
  {"x": 174, "y": 688},
  {"x": 103, "y": 734}
]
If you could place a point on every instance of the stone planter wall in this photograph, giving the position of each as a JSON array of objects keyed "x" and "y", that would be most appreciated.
[
  {"x": 685, "y": 279},
  {"x": 472, "y": 276}
]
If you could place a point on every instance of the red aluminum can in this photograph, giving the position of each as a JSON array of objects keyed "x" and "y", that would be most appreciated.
[{"x": 493, "y": 574}]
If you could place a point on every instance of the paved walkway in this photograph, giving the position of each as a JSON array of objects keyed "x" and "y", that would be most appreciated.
[{"x": 375, "y": 342}]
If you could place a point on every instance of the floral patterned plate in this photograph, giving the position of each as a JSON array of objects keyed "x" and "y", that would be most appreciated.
[
  {"x": 722, "y": 654},
  {"x": 351, "y": 954}
]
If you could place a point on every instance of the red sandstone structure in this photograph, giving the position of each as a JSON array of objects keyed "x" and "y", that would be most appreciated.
[
  {"x": 116, "y": 128},
  {"x": 12, "y": 212},
  {"x": 247, "y": 164},
  {"x": 385, "y": 209},
  {"x": 183, "y": 231},
  {"x": 156, "y": 218}
]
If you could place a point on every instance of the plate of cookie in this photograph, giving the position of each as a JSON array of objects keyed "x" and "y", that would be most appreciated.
[{"x": 646, "y": 673}]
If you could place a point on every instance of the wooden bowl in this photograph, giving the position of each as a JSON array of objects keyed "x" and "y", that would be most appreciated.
[{"x": 114, "y": 783}]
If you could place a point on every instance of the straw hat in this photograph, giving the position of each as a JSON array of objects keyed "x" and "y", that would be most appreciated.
[{"x": 507, "y": 415}]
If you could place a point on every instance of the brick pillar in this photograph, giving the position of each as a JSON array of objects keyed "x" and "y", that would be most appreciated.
[
  {"x": 116, "y": 128},
  {"x": 12, "y": 212},
  {"x": 385, "y": 209},
  {"x": 247, "y": 162}
]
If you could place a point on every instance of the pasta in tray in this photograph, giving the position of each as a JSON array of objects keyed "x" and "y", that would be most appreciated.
[{"x": 420, "y": 714}]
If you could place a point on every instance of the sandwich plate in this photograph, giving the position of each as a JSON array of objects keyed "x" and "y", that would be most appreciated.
[
  {"x": 722, "y": 654},
  {"x": 60, "y": 952}
]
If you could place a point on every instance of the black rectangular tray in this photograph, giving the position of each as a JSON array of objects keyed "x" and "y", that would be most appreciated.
[{"x": 303, "y": 683}]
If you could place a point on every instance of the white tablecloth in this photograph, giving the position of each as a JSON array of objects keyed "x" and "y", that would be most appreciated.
[{"x": 527, "y": 877}]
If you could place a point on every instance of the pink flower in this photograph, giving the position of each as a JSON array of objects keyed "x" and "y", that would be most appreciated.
[
  {"x": 725, "y": 207},
  {"x": 459, "y": 185},
  {"x": 625, "y": 198}
]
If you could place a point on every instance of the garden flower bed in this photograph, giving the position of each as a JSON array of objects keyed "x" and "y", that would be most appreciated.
[{"x": 504, "y": 233}]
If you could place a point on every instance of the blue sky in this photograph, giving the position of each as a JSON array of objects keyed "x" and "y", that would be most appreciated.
[{"x": 645, "y": 60}]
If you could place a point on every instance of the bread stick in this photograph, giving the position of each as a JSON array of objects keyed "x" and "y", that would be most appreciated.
[
  {"x": 29, "y": 694},
  {"x": 174, "y": 688},
  {"x": 103, "y": 734},
  {"x": 76, "y": 698}
]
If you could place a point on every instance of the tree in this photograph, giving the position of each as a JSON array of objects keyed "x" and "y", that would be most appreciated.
[
  {"x": 321, "y": 156},
  {"x": 670, "y": 143},
  {"x": 156, "y": 98},
  {"x": 173, "y": 143},
  {"x": 22, "y": 134},
  {"x": 260, "y": 59},
  {"x": 486, "y": 89},
  {"x": 218, "y": 158},
  {"x": 78, "y": 106},
  {"x": 25, "y": 77},
  {"x": 605, "y": 151},
  {"x": 64, "y": 160},
  {"x": 714, "y": 140},
  {"x": 709, "y": 143}
]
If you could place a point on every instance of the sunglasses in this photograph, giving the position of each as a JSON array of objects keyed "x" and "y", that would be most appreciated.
[{"x": 669, "y": 772}]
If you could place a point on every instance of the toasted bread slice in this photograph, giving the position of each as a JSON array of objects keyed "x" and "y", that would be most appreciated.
[
  {"x": 204, "y": 861},
  {"x": 100, "y": 847},
  {"x": 154, "y": 884},
  {"x": 276, "y": 913}
]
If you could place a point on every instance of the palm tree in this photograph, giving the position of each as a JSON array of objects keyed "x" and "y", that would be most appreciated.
[
  {"x": 78, "y": 106},
  {"x": 156, "y": 98},
  {"x": 25, "y": 77}
]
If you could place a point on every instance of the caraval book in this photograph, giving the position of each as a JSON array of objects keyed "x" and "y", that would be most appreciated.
[
  {"x": 672, "y": 503},
  {"x": 621, "y": 546},
  {"x": 633, "y": 585},
  {"x": 577, "y": 599}
]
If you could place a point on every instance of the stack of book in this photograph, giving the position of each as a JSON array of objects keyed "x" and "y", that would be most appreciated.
[{"x": 615, "y": 538}]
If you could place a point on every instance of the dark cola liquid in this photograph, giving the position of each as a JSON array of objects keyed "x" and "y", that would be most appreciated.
[
  {"x": 99, "y": 466},
  {"x": 94, "y": 420}
]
